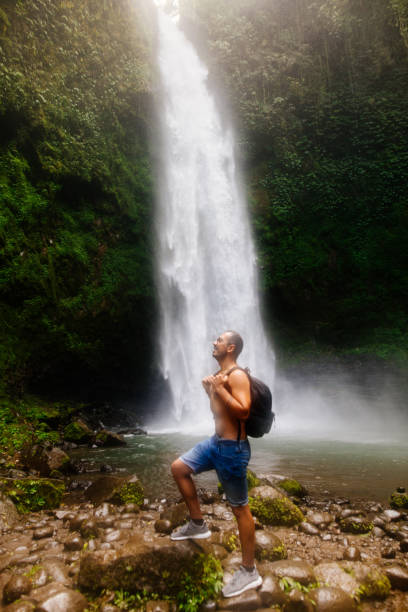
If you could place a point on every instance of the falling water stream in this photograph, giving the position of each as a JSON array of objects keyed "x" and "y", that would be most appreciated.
[{"x": 206, "y": 259}]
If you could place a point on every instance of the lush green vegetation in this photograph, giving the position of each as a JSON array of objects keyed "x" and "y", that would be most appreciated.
[
  {"x": 320, "y": 93},
  {"x": 76, "y": 189}
]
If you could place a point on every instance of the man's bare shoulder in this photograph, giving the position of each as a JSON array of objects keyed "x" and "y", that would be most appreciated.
[{"x": 239, "y": 377}]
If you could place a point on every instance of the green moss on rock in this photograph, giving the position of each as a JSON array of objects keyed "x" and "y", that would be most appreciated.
[
  {"x": 357, "y": 525},
  {"x": 30, "y": 495},
  {"x": 252, "y": 480},
  {"x": 279, "y": 511},
  {"x": 77, "y": 432},
  {"x": 129, "y": 493},
  {"x": 375, "y": 586},
  {"x": 292, "y": 487},
  {"x": 399, "y": 500}
]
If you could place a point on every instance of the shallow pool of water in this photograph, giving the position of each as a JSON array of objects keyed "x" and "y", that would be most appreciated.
[{"x": 328, "y": 468}]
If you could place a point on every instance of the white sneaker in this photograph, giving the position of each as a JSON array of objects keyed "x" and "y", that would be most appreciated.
[
  {"x": 241, "y": 581},
  {"x": 191, "y": 530}
]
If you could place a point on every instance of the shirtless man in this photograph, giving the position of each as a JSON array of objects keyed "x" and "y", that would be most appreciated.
[{"x": 230, "y": 402}]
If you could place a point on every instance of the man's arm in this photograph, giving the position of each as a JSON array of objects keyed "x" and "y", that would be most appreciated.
[{"x": 238, "y": 402}]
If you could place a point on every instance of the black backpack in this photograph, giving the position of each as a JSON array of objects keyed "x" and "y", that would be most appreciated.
[{"x": 261, "y": 415}]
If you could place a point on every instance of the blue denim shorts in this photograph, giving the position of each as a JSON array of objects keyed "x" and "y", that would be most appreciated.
[{"x": 229, "y": 458}]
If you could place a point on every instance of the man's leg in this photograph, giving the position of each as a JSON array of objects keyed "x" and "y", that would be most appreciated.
[
  {"x": 246, "y": 528},
  {"x": 182, "y": 475}
]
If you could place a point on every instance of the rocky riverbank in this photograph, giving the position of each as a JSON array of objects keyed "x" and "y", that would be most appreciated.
[{"x": 111, "y": 550}]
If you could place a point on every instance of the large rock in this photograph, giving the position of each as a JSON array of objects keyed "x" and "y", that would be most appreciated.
[
  {"x": 45, "y": 461},
  {"x": 17, "y": 586},
  {"x": 355, "y": 578},
  {"x": 267, "y": 492},
  {"x": 399, "y": 500},
  {"x": 109, "y": 438},
  {"x": 356, "y": 525},
  {"x": 32, "y": 494},
  {"x": 298, "y": 602},
  {"x": 334, "y": 575},
  {"x": 249, "y": 600},
  {"x": 268, "y": 547},
  {"x": 78, "y": 432},
  {"x": 332, "y": 599},
  {"x": 292, "y": 487},
  {"x": 270, "y": 592},
  {"x": 135, "y": 565},
  {"x": 116, "y": 490},
  {"x": 8, "y": 512},
  {"x": 177, "y": 514},
  {"x": 398, "y": 577},
  {"x": 300, "y": 571},
  {"x": 272, "y": 508},
  {"x": 55, "y": 597},
  {"x": 320, "y": 519}
]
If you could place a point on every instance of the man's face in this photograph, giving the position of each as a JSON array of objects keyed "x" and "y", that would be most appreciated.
[{"x": 221, "y": 345}]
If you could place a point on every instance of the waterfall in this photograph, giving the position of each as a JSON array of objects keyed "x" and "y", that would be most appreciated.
[{"x": 206, "y": 262}]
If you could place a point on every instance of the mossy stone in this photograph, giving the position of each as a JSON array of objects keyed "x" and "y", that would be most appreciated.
[
  {"x": 77, "y": 432},
  {"x": 399, "y": 500},
  {"x": 252, "y": 480},
  {"x": 30, "y": 495},
  {"x": 292, "y": 487},
  {"x": 375, "y": 586},
  {"x": 356, "y": 524},
  {"x": 278, "y": 511},
  {"x": 129, "y": 493}
]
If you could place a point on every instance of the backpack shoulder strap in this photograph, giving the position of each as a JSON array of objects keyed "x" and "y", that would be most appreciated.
[{"x": 246, "y": 370}]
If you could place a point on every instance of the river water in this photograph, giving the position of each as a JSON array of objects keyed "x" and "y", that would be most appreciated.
[{"x": 328, "y": 468}]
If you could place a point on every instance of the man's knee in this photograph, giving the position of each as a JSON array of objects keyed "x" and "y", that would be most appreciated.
[
  {"x": 240, "y": 511},
  {"x": 179, "y": 469}
]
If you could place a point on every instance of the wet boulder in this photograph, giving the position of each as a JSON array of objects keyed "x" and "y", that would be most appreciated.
[
  {"x": 356, "y": 525},
  {"x": 78, "y": 432},
  {"x": 292, "y": 487},
  {"x": 177, "y": 514},
  {"x": 8, "y": 512},
  {"x": 252, "y": 480},
  {"x": 118, "y": 490},
  {"x": 136, "y": 564},
  {"x": 319, "y": 519},
  {"x": 249, "y": 600},
  {"x": 107, "y": 438},
  {"x": 308, "y": 529},
  {"x": 17, "y": 586},
  {"x": 270, "y": 507},
  {"x": 32, "y": 494},
  {"x": 55, "y": 597},
  {"x": 270, "y": 592},
  {"x": 364, "y": 582},
  {"x": 46, "y": 461},
  {"x": 299, "y": 571},
  {"x": 399, "y": 500},
  {"x": 298, "y": 602},
  {"x": 163, "y": 526},
  {"x": 331, "y": 599},
  {"x": 268, "y": 547},
  {"x": 398, "y": 577}
]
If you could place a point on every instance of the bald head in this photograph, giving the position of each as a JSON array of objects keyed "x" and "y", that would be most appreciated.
[{"x": 234, "y": 338}]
